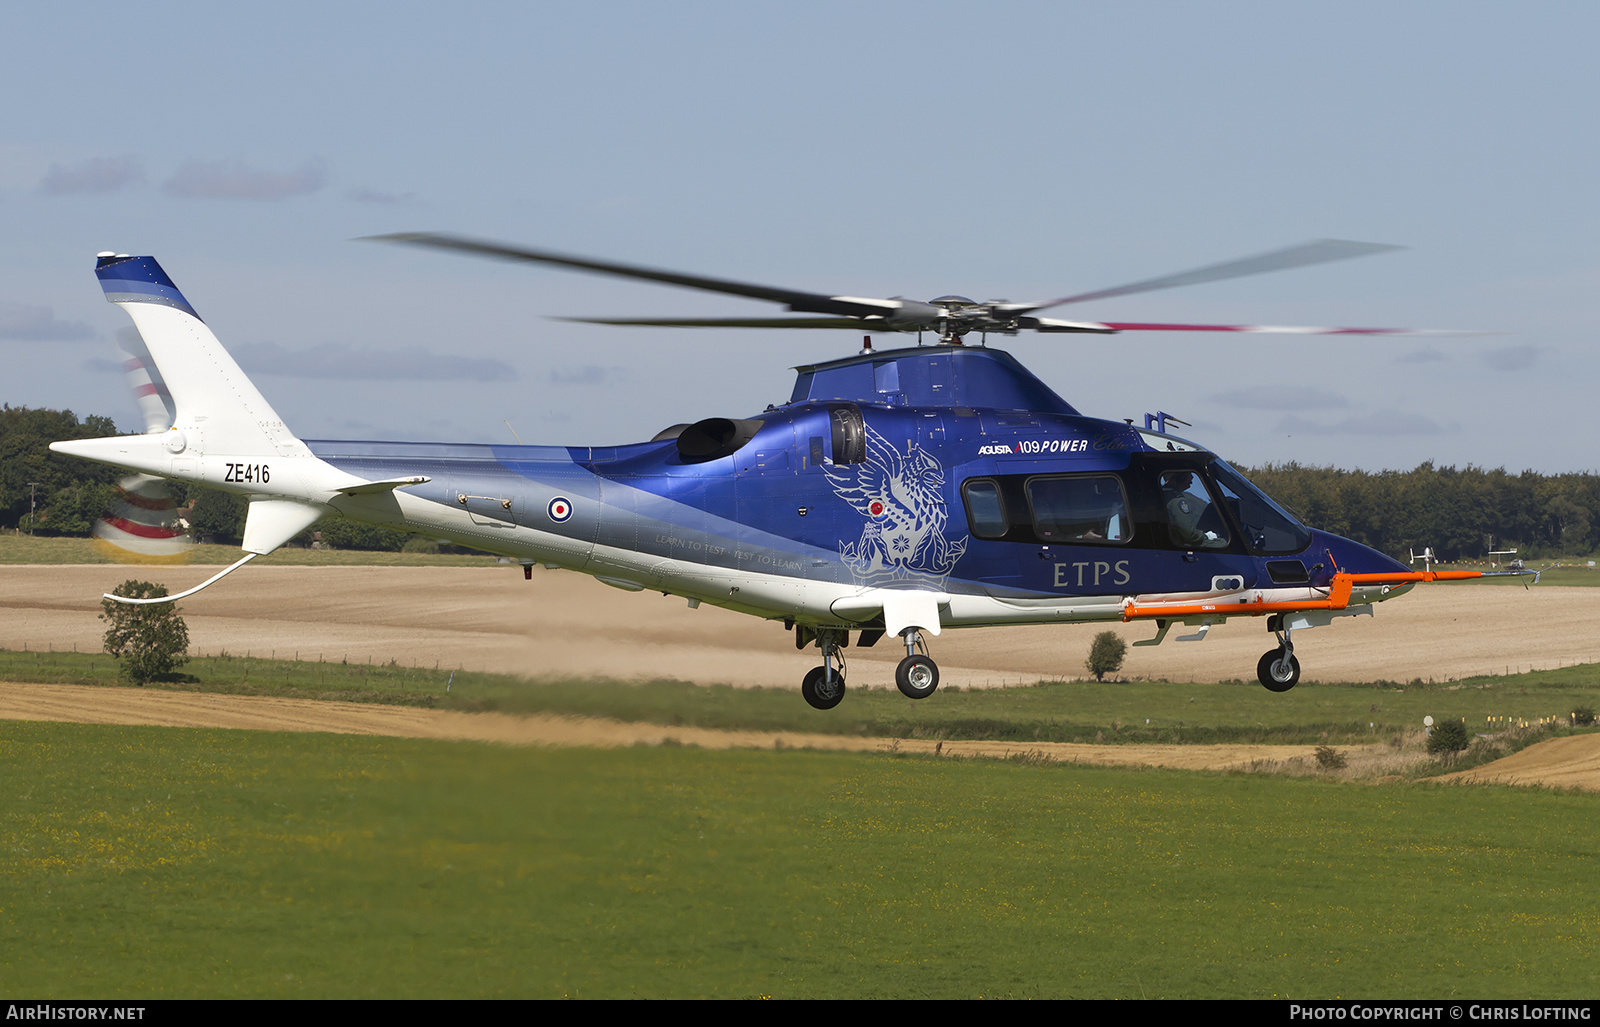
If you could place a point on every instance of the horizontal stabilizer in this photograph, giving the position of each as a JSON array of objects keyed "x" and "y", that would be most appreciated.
[
  {"x": 272, "y": 522},
  {"x": 386, "y": 485}
]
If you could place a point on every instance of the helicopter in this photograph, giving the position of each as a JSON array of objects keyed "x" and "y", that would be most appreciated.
[{"x": 896, "y": 493}]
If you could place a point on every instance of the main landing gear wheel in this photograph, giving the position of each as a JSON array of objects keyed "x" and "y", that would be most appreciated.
[
  {"x": 1278, "y": 670},
  {"x": 917, "y": 676},
  {"x": 819, "y": 691}
]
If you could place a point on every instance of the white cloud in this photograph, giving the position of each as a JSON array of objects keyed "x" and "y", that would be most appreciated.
[
  {"x": 361, "y": 194},
  {"x": 231, "y": 180},
  {"x": 20, "y": 321},
  {"x": 588, "y": 374},
  {"x": 1512, "y": 358},
  {"x": 1280, "y": 397},
  {"x": 340, "y": 361},
  {"x": 93, "y": 175},
  {"x": 1379, "y": 422}
]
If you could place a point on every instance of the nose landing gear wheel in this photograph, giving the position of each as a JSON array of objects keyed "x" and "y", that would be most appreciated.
[
  {"x": 821, "y": 693},
  {"x": 917, "y": 676},
  {"x": 1278, "y": 670}
]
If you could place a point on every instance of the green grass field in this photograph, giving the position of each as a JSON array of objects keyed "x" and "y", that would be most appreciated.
[
  {"x": 158, "y": 862},
  {"x": 1061, "y": 712},
  {"x": 149, "y": 862}
]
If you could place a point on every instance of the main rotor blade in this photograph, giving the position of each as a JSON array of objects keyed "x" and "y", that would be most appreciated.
[
  {"x": 852, "y": 323},
  {"x": 1320, "y": 251},
  {"x": 1150, "y": 326},
  {"x": 1038, "y": 324},
  {"x": 808, "y": 302}
]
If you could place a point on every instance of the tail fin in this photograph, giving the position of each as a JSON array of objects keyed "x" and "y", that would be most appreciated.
[
  {"x": 217, "y": 408},
  {"x": 219, "y": 419},
  {"x": 221, "y": 428}
]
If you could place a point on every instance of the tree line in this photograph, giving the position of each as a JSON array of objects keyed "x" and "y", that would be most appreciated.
[
  {"x": 45, "y": 493},
  {"x": 66, "y": 495},
  {"x": 1461, "y": 512}
]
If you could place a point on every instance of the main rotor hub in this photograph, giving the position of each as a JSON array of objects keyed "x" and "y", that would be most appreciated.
[{"x": 962, "y": 315}]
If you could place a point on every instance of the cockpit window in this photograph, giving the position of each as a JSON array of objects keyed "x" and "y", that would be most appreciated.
[
  {"x": 1191, "y": 518},
  {"x": 1079, "y": 509},
  {"x": 1268, "y": 527}
]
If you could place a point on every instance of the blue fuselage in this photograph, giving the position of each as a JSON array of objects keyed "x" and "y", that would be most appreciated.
[{"x": 952, "y": 469}]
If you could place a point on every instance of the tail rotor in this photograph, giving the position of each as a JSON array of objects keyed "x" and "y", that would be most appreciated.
[{"x": 143, "y": 524}]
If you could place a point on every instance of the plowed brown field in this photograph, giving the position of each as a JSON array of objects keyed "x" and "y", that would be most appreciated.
[
  {"x": 563, "y": 623},
  {"x": 568, "y": 624},
  {"x": 88, "y": 704}
]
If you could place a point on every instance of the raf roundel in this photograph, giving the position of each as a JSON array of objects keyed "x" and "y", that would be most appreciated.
[{"x": 560, "y": 509}]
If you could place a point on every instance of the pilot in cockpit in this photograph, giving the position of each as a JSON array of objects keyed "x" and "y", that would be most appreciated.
[{"x": 1193, "y": 522}]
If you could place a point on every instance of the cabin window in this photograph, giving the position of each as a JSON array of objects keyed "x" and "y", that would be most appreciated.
[
  {"x": 1192, "y": 518},
  {"x": 1079, "y": 509},
  {"x": 986, "y": 510}
]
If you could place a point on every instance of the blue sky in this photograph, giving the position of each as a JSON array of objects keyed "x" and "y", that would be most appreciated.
[{"x": 1013, "y": 150}]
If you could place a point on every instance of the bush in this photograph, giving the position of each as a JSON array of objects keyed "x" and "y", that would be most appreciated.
[
  {"x": 421, "y": 545},
  {"x": 1448, "y": 736},
  {"x": 1329, "y": 758},
  {"x": 1105, "y": 654},
  {"x": 150, "y": 639},
  {"x": 1583, "y": 716}
]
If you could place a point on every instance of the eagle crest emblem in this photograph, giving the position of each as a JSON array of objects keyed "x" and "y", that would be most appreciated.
[{"x": 902, "y": 499}]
